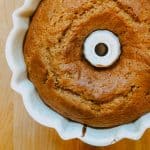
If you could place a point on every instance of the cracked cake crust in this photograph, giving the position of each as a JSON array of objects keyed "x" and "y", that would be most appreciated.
[{"x": 68, "y": 83}]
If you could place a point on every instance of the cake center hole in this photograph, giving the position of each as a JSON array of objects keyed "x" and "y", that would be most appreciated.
[{"x": 101, "y": 49}]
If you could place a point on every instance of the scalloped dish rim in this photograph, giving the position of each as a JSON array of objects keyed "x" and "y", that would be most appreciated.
[{"x": 39, "y": 111}]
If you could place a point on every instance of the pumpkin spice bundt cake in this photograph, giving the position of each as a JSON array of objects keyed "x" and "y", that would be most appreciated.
[{"x": 60, "y": 49}]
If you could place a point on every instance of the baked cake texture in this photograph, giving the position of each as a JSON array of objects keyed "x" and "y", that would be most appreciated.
[{"x": 53, "y": 51}]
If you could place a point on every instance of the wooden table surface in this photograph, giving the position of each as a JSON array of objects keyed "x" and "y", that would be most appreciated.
[{"x": 17, "y": 130}]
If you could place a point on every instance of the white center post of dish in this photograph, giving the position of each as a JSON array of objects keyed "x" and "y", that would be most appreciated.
[{"x": 102, "y": 48}]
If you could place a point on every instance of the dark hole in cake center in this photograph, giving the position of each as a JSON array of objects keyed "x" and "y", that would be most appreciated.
[{"x": 101, "y": 49}]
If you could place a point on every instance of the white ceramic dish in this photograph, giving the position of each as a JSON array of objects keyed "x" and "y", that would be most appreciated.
[{"x": 40, "y": 112}]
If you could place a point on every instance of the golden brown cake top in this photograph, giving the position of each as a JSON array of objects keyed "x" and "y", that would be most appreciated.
[{"x": 53, "y": 53}]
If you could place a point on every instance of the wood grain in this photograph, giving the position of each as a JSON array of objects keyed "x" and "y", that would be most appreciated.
[{"x": 17, "y": 130}]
